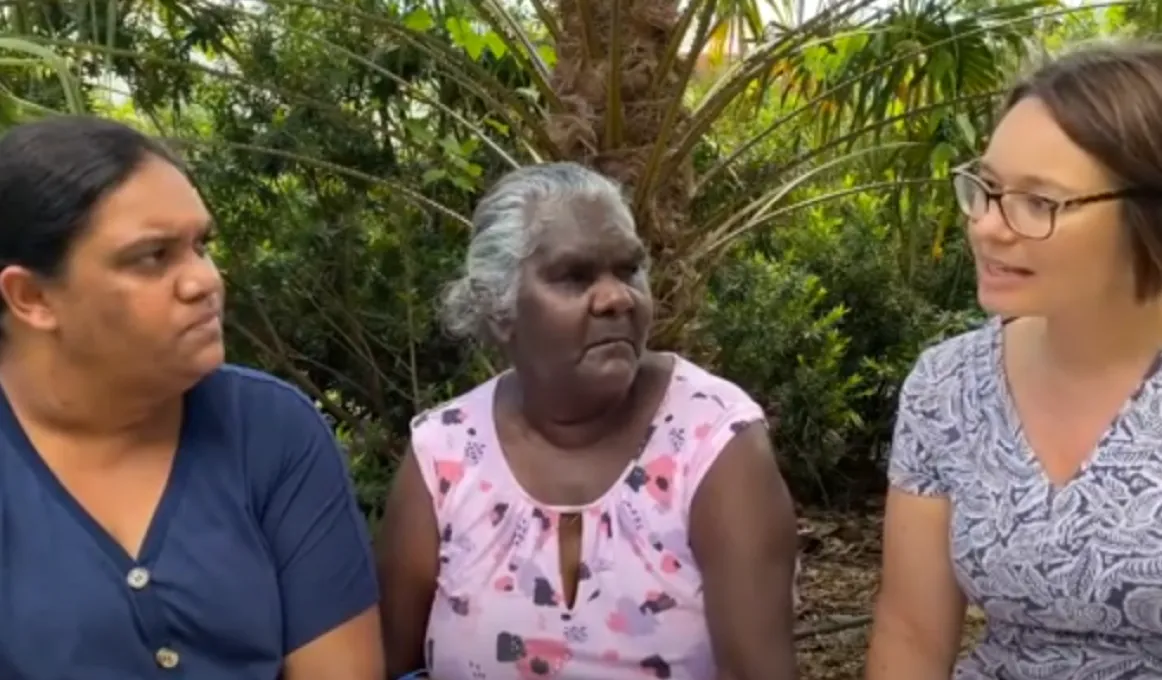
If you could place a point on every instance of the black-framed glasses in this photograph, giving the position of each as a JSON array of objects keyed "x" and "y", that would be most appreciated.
[{"x": 1028, "y": 214}]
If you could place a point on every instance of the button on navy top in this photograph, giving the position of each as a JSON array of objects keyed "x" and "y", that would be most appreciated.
[{"x": 256, "y": 548}]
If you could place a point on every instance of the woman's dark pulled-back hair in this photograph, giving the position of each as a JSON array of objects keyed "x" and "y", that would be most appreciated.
[
  {"x": 53, "y": 173},
  {"x": 1108, "y": 100}
]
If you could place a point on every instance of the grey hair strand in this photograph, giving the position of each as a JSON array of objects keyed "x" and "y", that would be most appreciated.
[{"x": 503, "y": 238}]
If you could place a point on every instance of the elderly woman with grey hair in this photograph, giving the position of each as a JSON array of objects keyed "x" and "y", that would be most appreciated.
[{"x": 598, "y": 511}]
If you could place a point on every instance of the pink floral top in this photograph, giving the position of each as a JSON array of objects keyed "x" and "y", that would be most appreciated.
[{"x": 498, "y": 613}]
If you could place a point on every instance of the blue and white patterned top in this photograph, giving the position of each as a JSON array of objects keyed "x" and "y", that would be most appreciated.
[{"x": 1070, "y": 578}]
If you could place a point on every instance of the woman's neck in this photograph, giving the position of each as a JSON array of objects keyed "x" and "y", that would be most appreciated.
[
  {"x": 1093, "y": 341},
  {"x": 59, "y": 394},
  {"x": 570, "y": 419}
]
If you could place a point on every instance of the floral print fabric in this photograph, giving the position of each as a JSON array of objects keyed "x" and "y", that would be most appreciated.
[
  {"x": 499, "y": 614},
  {"x": 1070, "y": 578}
]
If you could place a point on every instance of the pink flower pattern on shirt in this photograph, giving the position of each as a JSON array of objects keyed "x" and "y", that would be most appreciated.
[{"x": 499, "y": 613}]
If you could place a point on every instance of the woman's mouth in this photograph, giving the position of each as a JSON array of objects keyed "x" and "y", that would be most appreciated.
[
  {"x": 997, "y": 273},
  {"x": 998, "y": 270},
  {"x": 611, "y": 343}
]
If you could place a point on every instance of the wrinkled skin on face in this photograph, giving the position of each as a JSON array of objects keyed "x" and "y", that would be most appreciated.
[
  {"x": 139, "y": 299},
  {"x": 583, "y": 309},
  {"x": 1085, "y": 264}
]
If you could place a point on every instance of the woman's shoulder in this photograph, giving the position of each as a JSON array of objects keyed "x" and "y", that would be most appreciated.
[
  {"x": 475, "y": 405},
  {"x": 693, "y": 385},
  {"x": 454, "y": 435},
  {"x": 949, "y": 363},
  {"x": 249, "y": 394},
  {"x": 264, "y": 419},
  {"x": 250, "y": 422}
]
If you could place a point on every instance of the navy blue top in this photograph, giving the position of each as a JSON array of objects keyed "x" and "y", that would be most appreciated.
[{"x": 256, "y": 548}]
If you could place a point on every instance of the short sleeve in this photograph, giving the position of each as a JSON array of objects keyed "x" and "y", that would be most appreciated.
[
  {"x": 317, "y": 535},
  {"x": 912, "y": 465}
]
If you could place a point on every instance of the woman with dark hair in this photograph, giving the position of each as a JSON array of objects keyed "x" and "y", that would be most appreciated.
[
  {"x": 1026, "y": 470},
  {"x": 599, "y": 511},
  {"x": 161, "y": 514}
]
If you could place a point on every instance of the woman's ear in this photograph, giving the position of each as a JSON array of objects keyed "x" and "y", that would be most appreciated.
[
  {"x": 500, "y": 330},
  {"x": 25, "y": 298}
]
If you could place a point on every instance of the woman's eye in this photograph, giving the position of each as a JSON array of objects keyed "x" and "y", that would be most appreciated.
[
  {"x": 627, "y": 272},
  {"x": 1039, "y": 204},
  {"x": 153, "y": 257},
  {"x": 575, "y": 275},
  {"x": 154, "y": 260}
]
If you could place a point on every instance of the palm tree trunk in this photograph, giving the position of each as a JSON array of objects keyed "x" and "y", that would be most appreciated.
[{"x": 608, "y": 59}]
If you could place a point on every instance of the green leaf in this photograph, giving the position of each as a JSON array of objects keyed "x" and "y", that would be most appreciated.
[
  {"x": 941, "y": 64},
  {"x": 548, "y": 55},
  {"x": 966, "y": 128},
  {"x": 942, "y": 156},
  {"x": 495, "y": 44},
  {"x": 463, "y": 35},
  {"x": 420, "y": 20},
  {"x": 433, "y": 176}
]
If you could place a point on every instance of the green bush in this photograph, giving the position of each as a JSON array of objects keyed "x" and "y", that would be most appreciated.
[{"x": 822, "y": 319}]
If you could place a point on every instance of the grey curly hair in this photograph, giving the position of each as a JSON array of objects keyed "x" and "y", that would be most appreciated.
[{"x": 505, "y": 233}]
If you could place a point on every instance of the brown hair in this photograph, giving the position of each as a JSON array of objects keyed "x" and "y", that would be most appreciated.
[{"x": 1107, "y": 98}]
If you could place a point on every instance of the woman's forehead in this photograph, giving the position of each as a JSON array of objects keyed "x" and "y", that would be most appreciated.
[
  {"x": 156, "y": 200},
  {"x": 583, "y": 223},
  {"x": 594, "y": 248},
  {"x": 582, "y": 214},
  {"x": 577, "y": 239},
  {"x": 1030, "y": 150}
]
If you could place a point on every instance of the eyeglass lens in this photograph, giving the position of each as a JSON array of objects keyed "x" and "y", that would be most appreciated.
[{"x": 1026, "y": 214}]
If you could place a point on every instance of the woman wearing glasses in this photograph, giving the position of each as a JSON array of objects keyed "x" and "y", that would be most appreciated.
[{"x": 1026, "y": 471}]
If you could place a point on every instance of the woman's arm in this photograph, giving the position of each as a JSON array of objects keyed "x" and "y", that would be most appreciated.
[
  {"x": 743, "y": 535},
  {"x": 322, "y": 553},
  {"x": 919, "y": 611},
  {"x": 408, "y": 556},
  {"x": 347, "y": 652}
]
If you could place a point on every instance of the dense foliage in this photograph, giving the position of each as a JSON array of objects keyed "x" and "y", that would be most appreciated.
[{"x": 787, "y": 172}]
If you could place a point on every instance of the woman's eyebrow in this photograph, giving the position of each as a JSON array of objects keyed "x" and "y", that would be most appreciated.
[{"x": 1026, "y": 182}]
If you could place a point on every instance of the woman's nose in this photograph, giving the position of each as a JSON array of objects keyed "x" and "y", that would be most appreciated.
[
  {"x": 201, "y": 278},
  {"x": 612, "y": 296}
]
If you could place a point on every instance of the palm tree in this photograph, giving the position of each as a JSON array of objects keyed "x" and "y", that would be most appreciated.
[
  {"x": 619, "y": 99},
  {"x": 33, "y": 57},
  {"x": 612, "y": 84}
]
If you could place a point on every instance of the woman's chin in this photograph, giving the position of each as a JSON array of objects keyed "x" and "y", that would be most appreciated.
[
  {"x": 612, "y": 376},
  {"x": 1006, "y": 305}
]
